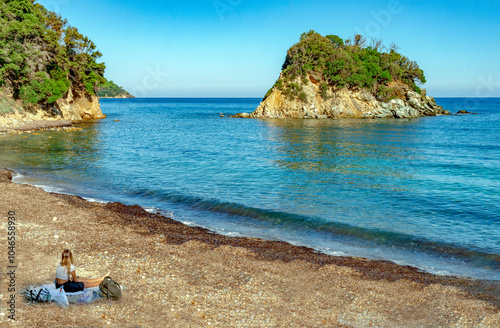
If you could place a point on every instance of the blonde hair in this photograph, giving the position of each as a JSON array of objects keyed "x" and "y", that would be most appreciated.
[{"x": 67, "y": 260}]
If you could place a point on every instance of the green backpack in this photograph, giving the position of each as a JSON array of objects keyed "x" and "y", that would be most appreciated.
[{"x": 110, "y": 289}]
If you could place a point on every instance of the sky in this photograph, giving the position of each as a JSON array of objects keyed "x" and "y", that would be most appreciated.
[{"x": 235, "y": 48}]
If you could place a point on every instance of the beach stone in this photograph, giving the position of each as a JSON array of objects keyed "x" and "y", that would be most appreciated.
[{"x": 5, "y": 175}]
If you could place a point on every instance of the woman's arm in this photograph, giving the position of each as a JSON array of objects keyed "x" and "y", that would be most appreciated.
[{"x": 73, "y": 275}]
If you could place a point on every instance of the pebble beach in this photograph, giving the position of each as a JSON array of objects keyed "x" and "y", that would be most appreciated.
[{"x": 175, "y": 275}]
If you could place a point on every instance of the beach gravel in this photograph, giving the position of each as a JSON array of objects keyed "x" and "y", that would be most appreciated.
[{"x": 180, "y": 276}]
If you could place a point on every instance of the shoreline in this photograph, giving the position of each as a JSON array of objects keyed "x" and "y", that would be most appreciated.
[
  {"x": 241, "y": 234},
  {"x": 156, "y": 257},
  {"x": 35, "y": 125}
]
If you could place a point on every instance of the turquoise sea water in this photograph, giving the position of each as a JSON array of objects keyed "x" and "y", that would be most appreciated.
[{"x": 423, "y": 192}]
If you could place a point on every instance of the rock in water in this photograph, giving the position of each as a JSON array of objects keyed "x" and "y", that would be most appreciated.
[{"x": 462, "y": 112}]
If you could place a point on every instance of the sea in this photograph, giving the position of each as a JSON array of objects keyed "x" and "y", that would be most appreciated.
[{"x": 423, "y": 192}]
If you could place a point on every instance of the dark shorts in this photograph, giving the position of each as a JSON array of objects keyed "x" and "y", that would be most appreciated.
[{"x": 71, "y": 286}]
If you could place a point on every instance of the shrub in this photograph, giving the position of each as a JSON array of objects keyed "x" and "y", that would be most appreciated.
[
  {"x": 303, "y": 97},
  {"x": 267, "y": 94},
  {"x": 279, "y": 84},
  {"x": 324, "y": 88}
]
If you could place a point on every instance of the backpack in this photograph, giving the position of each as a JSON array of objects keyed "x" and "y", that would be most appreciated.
[
  {"x": 36, "y": 294},
  {"x": 110, "y": 289}
]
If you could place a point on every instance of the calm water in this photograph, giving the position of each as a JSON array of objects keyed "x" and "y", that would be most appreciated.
[{"x": 423, "y": 192}]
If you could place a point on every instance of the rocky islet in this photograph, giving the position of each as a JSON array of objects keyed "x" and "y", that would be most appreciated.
[{"x": 347, "y": 103}]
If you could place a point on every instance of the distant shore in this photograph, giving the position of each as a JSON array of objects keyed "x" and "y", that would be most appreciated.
[
  {"x": 177, "y": 275},
  {"x": 128, "y": 96}
]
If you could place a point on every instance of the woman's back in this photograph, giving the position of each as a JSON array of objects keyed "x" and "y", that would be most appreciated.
[{"x": 62, "y": 272}]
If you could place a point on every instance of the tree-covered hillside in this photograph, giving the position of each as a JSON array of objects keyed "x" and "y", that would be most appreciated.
[
  {"x": 352, "y": 63},
  {"x": 110, "y": 90},
  {"x": 42, "y": 57}
]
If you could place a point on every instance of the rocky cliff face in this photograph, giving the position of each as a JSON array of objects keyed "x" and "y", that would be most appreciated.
[
  {"x": 75, "y": 107},
  {"x": 345, "y": 103},
  {"x": 78, "y": 107}
]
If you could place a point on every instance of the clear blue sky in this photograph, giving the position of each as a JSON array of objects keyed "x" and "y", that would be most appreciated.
[{"x": 235, "y": 48}]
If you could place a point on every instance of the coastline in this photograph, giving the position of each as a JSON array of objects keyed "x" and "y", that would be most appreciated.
[
  {"x": 35, "y": 126},
  {"x": 183, "y": 275}
]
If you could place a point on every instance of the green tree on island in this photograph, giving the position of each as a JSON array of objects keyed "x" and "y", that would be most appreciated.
[{"x": 346, "y": 64}]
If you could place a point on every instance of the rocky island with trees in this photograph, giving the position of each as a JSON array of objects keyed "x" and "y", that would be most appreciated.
[{"x": 328, "y": 77}]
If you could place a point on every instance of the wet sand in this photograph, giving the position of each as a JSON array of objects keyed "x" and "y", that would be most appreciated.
[{"x": 181, "y": 276}]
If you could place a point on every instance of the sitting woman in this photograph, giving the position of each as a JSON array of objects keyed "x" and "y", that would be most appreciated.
[{"x": 66, "y": 275}]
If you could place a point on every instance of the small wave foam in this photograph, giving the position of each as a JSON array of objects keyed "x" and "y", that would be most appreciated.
[
  {"x": 151, "y": 209},
  {"x": 95, "y": 200},
  {"x": 328, "y": 230},
  {"x": 47, "y": 188},
  {"x": 333, "y": 238}
]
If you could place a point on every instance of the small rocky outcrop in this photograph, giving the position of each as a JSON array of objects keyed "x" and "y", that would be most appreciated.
[
  {"x": 464, "y": 112},
  {"x": 79, "y": 107},
  {"x": 346, "y": 103}
]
